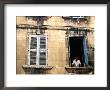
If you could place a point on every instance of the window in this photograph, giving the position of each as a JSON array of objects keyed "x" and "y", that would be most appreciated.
[
  {"x": 37, "y": 52},
  {"x": 78, "y": 48}
]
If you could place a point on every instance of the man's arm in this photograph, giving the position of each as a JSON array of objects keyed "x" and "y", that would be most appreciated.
[{"x": 79, "y": 62}]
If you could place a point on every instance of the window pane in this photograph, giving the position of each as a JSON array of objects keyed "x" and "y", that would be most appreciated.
[
  {"x": 32, "y": 53},
  {"x": 42, "y": 41},
  {"x": 42, "y": 54},
  {"x": 33, "y": 42},
  {"x": 42, "y": 61},
  {"x": 43, "y": 38},
  {"x": 32, "y": 61},
  {"x": 42, "y": 46},
  {"x": 42, "y": 58},
  {"x": 32, "y": 58}
]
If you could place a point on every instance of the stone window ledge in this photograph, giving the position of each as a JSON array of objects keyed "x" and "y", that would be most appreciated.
[
  {"x": 78, "y": 67},
  {"x": 80, "y": 70},
  {"x": 36, "y": 67}
]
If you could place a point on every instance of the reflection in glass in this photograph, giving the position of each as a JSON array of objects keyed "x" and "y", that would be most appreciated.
[
  {"x": 33, "y": 42},
  {"x": 32, "y": 57},
  {"x": 42, "y": 46},
  {"x": 42, "y": 58}
]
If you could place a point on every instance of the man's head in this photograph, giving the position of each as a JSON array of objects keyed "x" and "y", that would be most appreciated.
[{"x": 76, "y": 58}]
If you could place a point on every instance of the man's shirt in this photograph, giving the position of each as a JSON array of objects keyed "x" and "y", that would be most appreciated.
[{"x": 76, "y": 63}]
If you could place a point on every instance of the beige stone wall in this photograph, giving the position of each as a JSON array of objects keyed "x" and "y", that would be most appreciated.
[
  {"x": 21, "y": 50},
  {"x": 21, "y": 20},
  {"x": 56, "y": 51},
  {"x": 56, "y": 46},
  {"x": 90, "y": 36},
  {"x": 90, "y": 40},
  {"x": 21, "y": 54},
  {"x": 91, "y": 21}
]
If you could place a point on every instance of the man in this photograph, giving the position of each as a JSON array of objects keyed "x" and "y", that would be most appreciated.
[{"x": 76, "y": 62}]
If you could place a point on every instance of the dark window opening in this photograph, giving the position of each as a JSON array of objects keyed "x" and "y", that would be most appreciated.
[{"x": 76, "y": 49}]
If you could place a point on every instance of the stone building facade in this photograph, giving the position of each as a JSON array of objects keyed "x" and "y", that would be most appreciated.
[{"x": 48, "y": 44}]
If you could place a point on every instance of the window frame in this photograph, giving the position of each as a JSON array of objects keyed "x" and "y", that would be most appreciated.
[
  {"x": 85, "y": 55},
  {"x": 38, "y": 49}
]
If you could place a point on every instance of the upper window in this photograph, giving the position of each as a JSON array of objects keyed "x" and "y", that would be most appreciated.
[{"x": 37, "y": 50}]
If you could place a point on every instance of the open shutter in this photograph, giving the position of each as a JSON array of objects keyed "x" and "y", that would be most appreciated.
[
  {"x": 85, "y": 51},
  {"x": 42, "y": 50}
]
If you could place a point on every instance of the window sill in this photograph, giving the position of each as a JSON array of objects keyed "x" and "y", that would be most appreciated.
[
  {"x": 78, "y": 67},
  {"x": 36, "y": 67},
  {"x": 79, "y": 70}
]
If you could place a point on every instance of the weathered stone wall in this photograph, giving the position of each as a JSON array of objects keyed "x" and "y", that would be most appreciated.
[
  {"x": 21, "y": 54},
  {"x": 21, "y": 47},
  {"x": 21, "y": 20},
  {"x": 90, "y": 40},
  {"x": 56, "y": 46}
]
